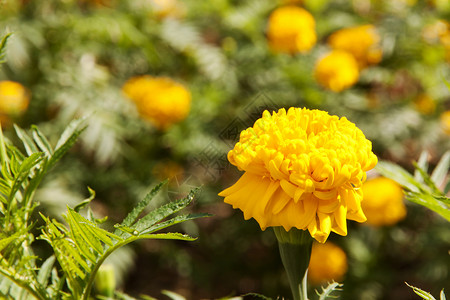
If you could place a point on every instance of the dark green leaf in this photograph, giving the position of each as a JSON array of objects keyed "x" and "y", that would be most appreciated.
[
  {"x": 24, "y": 171},
  {"x": 139, "y": 208},
  {"x": 164, "y": 211},
  {"x": 85, "y": 202},
  {"x": 175, "y": 220},
  {"x": 30, "y": 146}
]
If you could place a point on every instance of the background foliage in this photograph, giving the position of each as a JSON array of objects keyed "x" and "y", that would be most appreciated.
[{"x": 74, "y": 57}]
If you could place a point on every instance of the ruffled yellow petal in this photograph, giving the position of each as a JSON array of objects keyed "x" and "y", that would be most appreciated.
[{"x": 302, "y": 168}]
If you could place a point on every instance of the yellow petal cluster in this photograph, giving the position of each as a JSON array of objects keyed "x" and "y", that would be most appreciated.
[
  {"x": 383, "y": 201},
  {"x": 303, "y": 169},
  {"x": 425, "y": 104},
  {"x": 363, "y": 42},
  {"x": 14, "y": 100},
  {"x": 160, "y": 100},
  {"x": 328, "y": 262},
  {"x": 291, "y": 29},
  {"x": 337, "y": 70}
]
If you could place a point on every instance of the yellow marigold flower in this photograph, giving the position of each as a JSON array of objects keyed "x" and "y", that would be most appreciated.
[
  {"x": 445, "y": 122},
  {"x": 328, "y": 262},
  {"x": 303, "y": 169},
  {"x": 14, "y": 100},
  {"x": 425, "y": 104},
  {"x": 291, "y": 29},
  {"x": 337, "y": 70},
  {"x": 363, "y": 42},
  {"x": 383, "y": 201},
  {"x": 160, "y": 100}
]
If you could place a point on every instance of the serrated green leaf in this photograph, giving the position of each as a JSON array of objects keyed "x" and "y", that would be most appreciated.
[
  {"x": 41, "y": 141},
  {"x": 24, "y": 171},
  {"x": 421, "y": 293},
  {"x": 164, "y": 211},
  {"x": 440, "y": 172},
  {"x": 428, "y": 184},
  {"x": 30, "y": 146},
  {"x": 430, "y": 202},
  {"x": 167, "y": 236},
  {"x": 398, "y": 174},
  {"x": 139, "y": 208},
  {"x": 175, "y": 220},
  {"x": 6, "y": 241},
  {"x": 73, "y": 129},
  {"x": 423, "y": 164},
  {"x": 63, "y": 148}
]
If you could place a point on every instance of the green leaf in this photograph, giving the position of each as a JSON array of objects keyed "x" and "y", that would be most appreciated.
[
  {"x": 442, "y": 295},
  {"x": 423, "y": 164},
  {"x": 85, "y": 202},
  {"x": 3, "y": 47},
  {"x": 30, "y": 146},
  {"x": 139, "y": 208},
  {"x": 24, "y": 171},
  {"x": 440, "y": 172},
  {"x": 166, "y": 236},
  {"x": 258, "y": 296},
  {"x": 73, "y": 129},
  {"x": 398, "y": 174},
  {"x": 46, "y": 270},
  {"x": 430, "y": 202},
  {"x": 68, "y": 142},
  {"x": 421, "y": 293},
  {"x": 175, "y": 220},
  {"x": 164, "y": 211},
  {"x": 41, "y": 141}
]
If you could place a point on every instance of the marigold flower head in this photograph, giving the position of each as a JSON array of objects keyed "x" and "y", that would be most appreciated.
[
  {"x": 383, "y": 201},
  {"x": 337, "y": 70},
  {"x": 160, "y": 100},
  {"x": 291, "y": 29},
  {"x": 363, "y": 42},
  {"x": 14, "y": 99},
  {"x": 328, "y": 262},
  {"x": 303, "y": 169}
]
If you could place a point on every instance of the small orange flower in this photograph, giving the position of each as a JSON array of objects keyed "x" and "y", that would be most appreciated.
[
  {"x": 291, "y": 29},
  {"x": 303, "y": 169},
  {"x": 159, "y": 100},
  {"x": 328, "y": 262},
  {"x": 383, "y": 201},
  {"x": 337, "y": 70},
  {"x": 363, "y": 42}
]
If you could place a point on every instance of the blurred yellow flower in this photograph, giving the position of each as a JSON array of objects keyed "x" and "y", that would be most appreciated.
[
  {"x": 303, "y": 169},
  {"x": 383, "y": 201},
  {"x": 445, "y": 122},
  {"x": 14, "y": 100},
  {"x": 425, "y": 104},
  {"x": 363, "y": 42},
  {"x": 337, "y": 70},
  {"x": 328, "y": 262},
  {"x": 291, "y": 29},
  {"x": 168, "y": 8},
  {"x": 435, "y": 31},
  {"x": 160, "y": 100}
]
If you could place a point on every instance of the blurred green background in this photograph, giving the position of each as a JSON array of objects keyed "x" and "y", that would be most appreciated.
[{"x": 73, "y": 57}]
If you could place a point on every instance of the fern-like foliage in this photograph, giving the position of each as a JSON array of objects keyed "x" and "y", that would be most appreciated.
[
  {"x": 80, "y": 245},
  {"x": 3, "y": 47},
  {"x": 425, "y": 295},
  {"x": 20, "y": 176}
]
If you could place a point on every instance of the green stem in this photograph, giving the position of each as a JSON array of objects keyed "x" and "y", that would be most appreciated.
[{"x": 295, "y": 251}]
